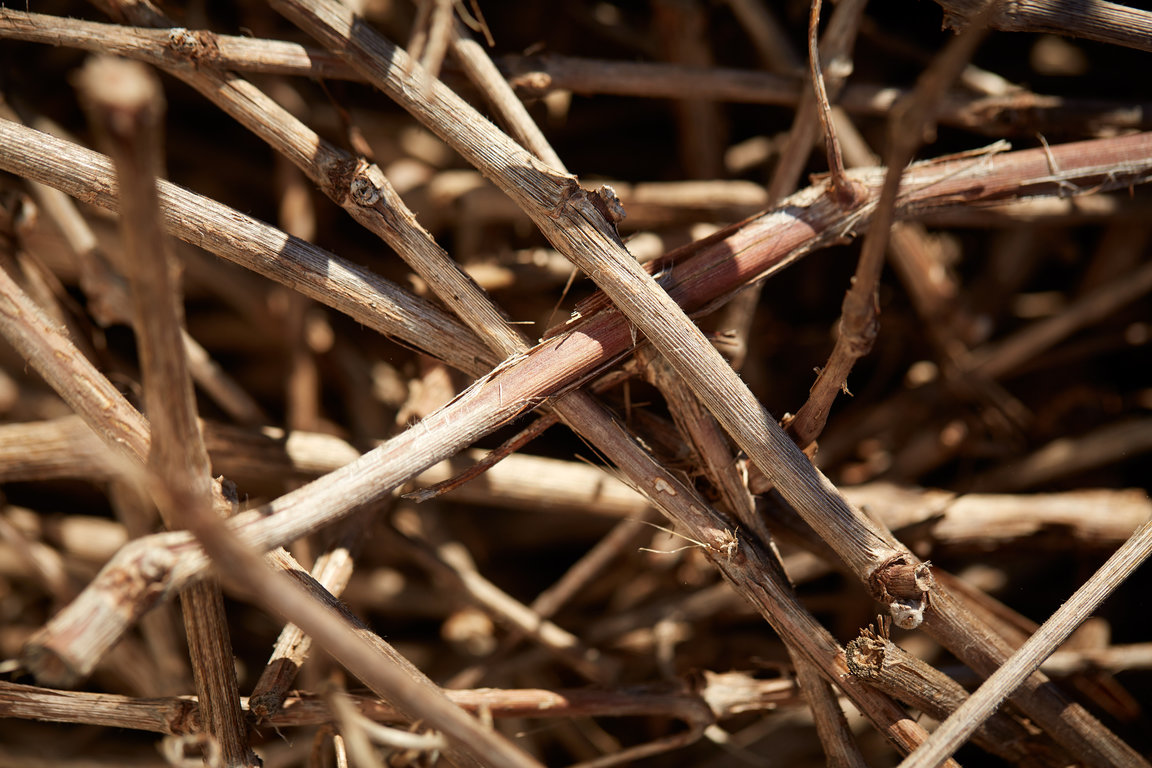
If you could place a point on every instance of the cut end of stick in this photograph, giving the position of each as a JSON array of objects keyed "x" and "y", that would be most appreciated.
[
  {"x": 50, "y": 668},
  {"x": 903, "y": 585},
  {"x": 120, "y": 88}
]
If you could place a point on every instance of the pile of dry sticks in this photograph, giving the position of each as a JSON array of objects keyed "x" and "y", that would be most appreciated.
[{"x": 527, "y": 463}]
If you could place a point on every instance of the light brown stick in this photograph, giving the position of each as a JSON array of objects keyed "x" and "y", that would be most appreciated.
[
  {"x": 875, "y": 658},
  {"x": 125, "y": 105},
  {"x": 332, "y": 570},
  {"x": 484, "y": 74},
  {"x": 1091, "y": 19},
  {"x": 203, "y": 222},
  {"x": 960, "y": 725},
  {"x": 719, "y": 696}
]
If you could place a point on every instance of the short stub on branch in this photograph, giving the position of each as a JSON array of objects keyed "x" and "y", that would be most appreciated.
[{"x": 903, "y": 584}]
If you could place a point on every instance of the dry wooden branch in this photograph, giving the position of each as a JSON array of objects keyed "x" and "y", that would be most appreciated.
[
  {"x": 47, "y": 348},
  {"x": 712, "y": 697},
  {"x": 484, "y": 74},
  {"x": 351, "y": 182},
  {"x": 609, "y": 337},
  {"x": 266, "y": 250},
  {"x": 65, "y": 448},
  {"x": 922, "y": 413},
  {"x": 1094, "y": 20},
  {"x": 1016, "y": 113},
  {"x": 835, "y": 736},
  {"x": 332, "y": 570},
  {"x": 1066, "y": 455},
  {"x": 859, "y": 315},
  {"x": 841, "y": 189},
  {"x": 125, "y": 105},
  {"x": 960, "y": 725},
  {"x": 1010, "y": 113},
  {"x": 450, "y": 565},
  {"x": 837, "y": 46},
  {"x": 886, "y": 665}
]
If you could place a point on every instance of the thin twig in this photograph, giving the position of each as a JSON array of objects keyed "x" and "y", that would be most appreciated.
[
  {"x": 484, "y": 74},
  {"x": 332, "y": 570},
  {"x": 859, "y": 316},
  {"x": 837, "y": 43},
  {"x": 449, "y": 564},
  {"x": 835, "y": 736},
  {"x": 767, "y": 35},
  {"x": 997, "y": 115},
  {"x": 960, "y": 725},
  {"x": 717, "y": 696},
  {"x": 431, "y": 33},
  {"x": 841, "y": 188}
]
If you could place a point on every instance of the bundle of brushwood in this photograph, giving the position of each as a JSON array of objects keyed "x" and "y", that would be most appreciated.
[{"x": 536, "y": 453}]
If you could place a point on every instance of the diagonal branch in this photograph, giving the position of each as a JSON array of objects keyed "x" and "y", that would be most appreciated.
[
  {"x": 991, "y": 694},
  {"x": 860, "y": 313}
]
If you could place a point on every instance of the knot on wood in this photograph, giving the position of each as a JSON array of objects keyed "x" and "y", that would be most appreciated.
[
  {"x": 367, "y": 185},
  {"x": 901, "y": 577},
  {"x": 192, "y": 46},
  {"x": 848, "y": 193},
  {"x": 532, "y": 84},
  {"x": 608, "y": 203}
]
